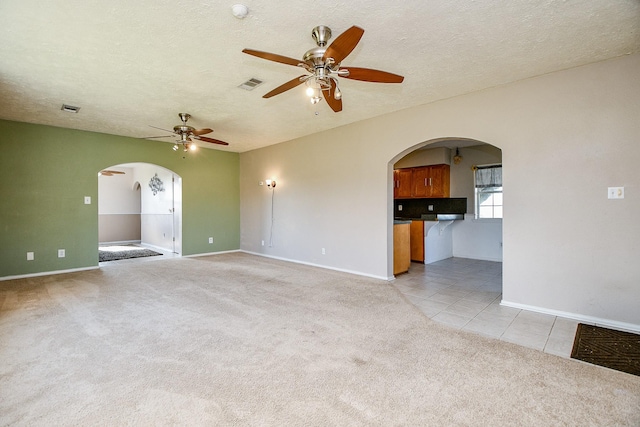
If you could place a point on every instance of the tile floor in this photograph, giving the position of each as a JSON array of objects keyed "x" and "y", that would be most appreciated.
[{"x": 466, "y": 294}]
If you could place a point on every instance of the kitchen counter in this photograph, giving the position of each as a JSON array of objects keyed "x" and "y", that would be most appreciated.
[{"x": 432, "y": 217}]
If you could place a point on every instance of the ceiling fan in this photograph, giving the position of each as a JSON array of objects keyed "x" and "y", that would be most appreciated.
[
  {"x": 109, "y": 172},
  {"x": 187, "y": 134},
  {"x": 322, "y": 64}
]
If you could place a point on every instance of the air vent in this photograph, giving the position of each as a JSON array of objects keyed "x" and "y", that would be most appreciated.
[
  {"x": 251, "y": 84},
  {"x": 70, "y": 108}
]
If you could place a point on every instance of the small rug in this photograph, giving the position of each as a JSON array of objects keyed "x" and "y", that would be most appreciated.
[
  {"x": 114, "y": 253},
  {"x": 607, "y": 347}
]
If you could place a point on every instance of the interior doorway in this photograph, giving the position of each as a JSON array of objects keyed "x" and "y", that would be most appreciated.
[
  {"x": 473, "y": 267},
  {"x": 140, "y": 203}
]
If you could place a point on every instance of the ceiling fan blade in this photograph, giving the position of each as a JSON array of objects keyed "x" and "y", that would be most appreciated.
[
  {"x": 204, "y": 131},
  {"x": 343, "y": 44},
  {"x": 369, "y": 75},
  {"x": 335, "y": 104},
  {"x": 213, "y": 141},
  {"x": 282, "y": 88},
  {"x": 111, "y": 172},
  {"x": 273, "y": 57}
]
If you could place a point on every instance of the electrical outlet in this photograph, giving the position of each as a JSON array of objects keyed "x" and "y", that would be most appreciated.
[
  {"x": 615, "y": 192},
  {"x": 87, "y": 200},
  {"x": 323, "y": 252},
  {"x": 430, "y": 208},
  {"x": 263, "y": 243},
  {"x": 210, "y": 239},
  {"x": 399, "y": 207},
  {"x": 30, "y": 256},
  {"x": 61, "y": 253}
]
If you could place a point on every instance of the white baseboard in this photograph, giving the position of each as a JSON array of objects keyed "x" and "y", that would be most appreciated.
[
  {"x": 48, "y": 273},
  {"x": 598, "y": 321},
  {"x": 357, "y": 273}
]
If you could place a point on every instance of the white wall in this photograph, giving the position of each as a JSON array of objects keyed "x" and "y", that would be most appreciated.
[
  {"x": 118, "y": 207},
  {"x": 477, "y": 238},
  {"x": 157, "y": 216},
  {"x": 565, "y": 137},
  {"x": 425, "y": 157}
]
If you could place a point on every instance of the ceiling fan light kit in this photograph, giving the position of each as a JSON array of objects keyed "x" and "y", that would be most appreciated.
[
  {"x": 187, "y": 134},
  {"x": 323, "y": 66}
]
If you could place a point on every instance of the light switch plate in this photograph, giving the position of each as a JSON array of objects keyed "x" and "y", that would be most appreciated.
[{"x": 615, "y": 192}]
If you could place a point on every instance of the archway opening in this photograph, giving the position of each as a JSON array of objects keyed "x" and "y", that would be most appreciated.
[
  {"x": 140, "y": 204},
  {"x": 458, "y": 274}
]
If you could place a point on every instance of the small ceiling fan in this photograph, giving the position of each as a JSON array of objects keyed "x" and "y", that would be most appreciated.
[
  {"x": 322, "y": 64},
  {"x": 187, "y": 134},
  {"x": 109, "y": 172}
]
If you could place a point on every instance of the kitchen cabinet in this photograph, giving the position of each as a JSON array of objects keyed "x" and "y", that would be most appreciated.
[
  {"x": 423, "y": 182},
  {"x": 440, "y": 181},
  {"x": 401, "y": 246},
  {"x": 417, "y": 241},
  {"x": 402, "y": 183}
]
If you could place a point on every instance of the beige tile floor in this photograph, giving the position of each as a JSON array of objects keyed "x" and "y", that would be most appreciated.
[{"x": 466, "y": 294}]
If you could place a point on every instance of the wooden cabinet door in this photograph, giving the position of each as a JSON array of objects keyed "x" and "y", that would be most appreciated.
[
  {"x": 402, "y": 183},
  {"x": 420, "y": 184},
  {"x": 417, "y": 241},
  {"x": 401, "y": 248},
  {"x": 439, "y": 181}
]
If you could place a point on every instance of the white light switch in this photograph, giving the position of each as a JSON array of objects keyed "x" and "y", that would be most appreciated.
[
  {"x": 615, "y": 192},
  {"x": 87, "y": 200}
]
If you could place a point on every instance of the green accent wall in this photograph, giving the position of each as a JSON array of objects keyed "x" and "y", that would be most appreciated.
[{"x": 45, "y": 173}]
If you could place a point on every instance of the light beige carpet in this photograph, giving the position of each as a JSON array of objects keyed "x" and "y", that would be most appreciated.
[{"x": 235, "y": 339}]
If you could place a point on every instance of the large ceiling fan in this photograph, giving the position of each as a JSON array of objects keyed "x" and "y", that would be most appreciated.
[
  {"x": 187, "y": 134},
  {"x": 322, "y": 64}
]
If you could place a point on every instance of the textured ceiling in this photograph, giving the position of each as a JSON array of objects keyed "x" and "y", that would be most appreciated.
[{"x": 131, "y": 64}]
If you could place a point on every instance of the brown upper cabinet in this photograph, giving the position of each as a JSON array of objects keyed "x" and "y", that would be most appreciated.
[
  {"x": 422, "y": 182},
  {"x": 402, "y": 184}
]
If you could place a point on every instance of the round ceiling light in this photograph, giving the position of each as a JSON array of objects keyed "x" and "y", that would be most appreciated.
[{"x": 240, "y": 11}]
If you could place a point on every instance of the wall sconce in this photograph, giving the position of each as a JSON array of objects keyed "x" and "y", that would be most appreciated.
[{"x": 270, "y": 183}]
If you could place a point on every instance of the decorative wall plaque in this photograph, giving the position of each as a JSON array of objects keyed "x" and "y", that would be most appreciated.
[{"x": 156, "y": 185}]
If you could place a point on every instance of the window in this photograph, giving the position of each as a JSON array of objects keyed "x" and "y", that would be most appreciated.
[{"x": 488, "y": 191}]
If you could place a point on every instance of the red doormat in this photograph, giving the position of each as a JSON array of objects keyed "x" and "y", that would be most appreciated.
[{"x": 607, "y": 347}]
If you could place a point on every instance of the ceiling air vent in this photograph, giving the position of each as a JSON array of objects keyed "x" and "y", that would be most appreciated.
[
  {"x": 70, "y": 108},
  {"x": 251, "y": 84}
]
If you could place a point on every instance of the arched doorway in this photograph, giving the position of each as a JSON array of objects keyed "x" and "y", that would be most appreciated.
[
  {"x": 465, "y": 278},
  {"x": 140, "y": 203}
]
